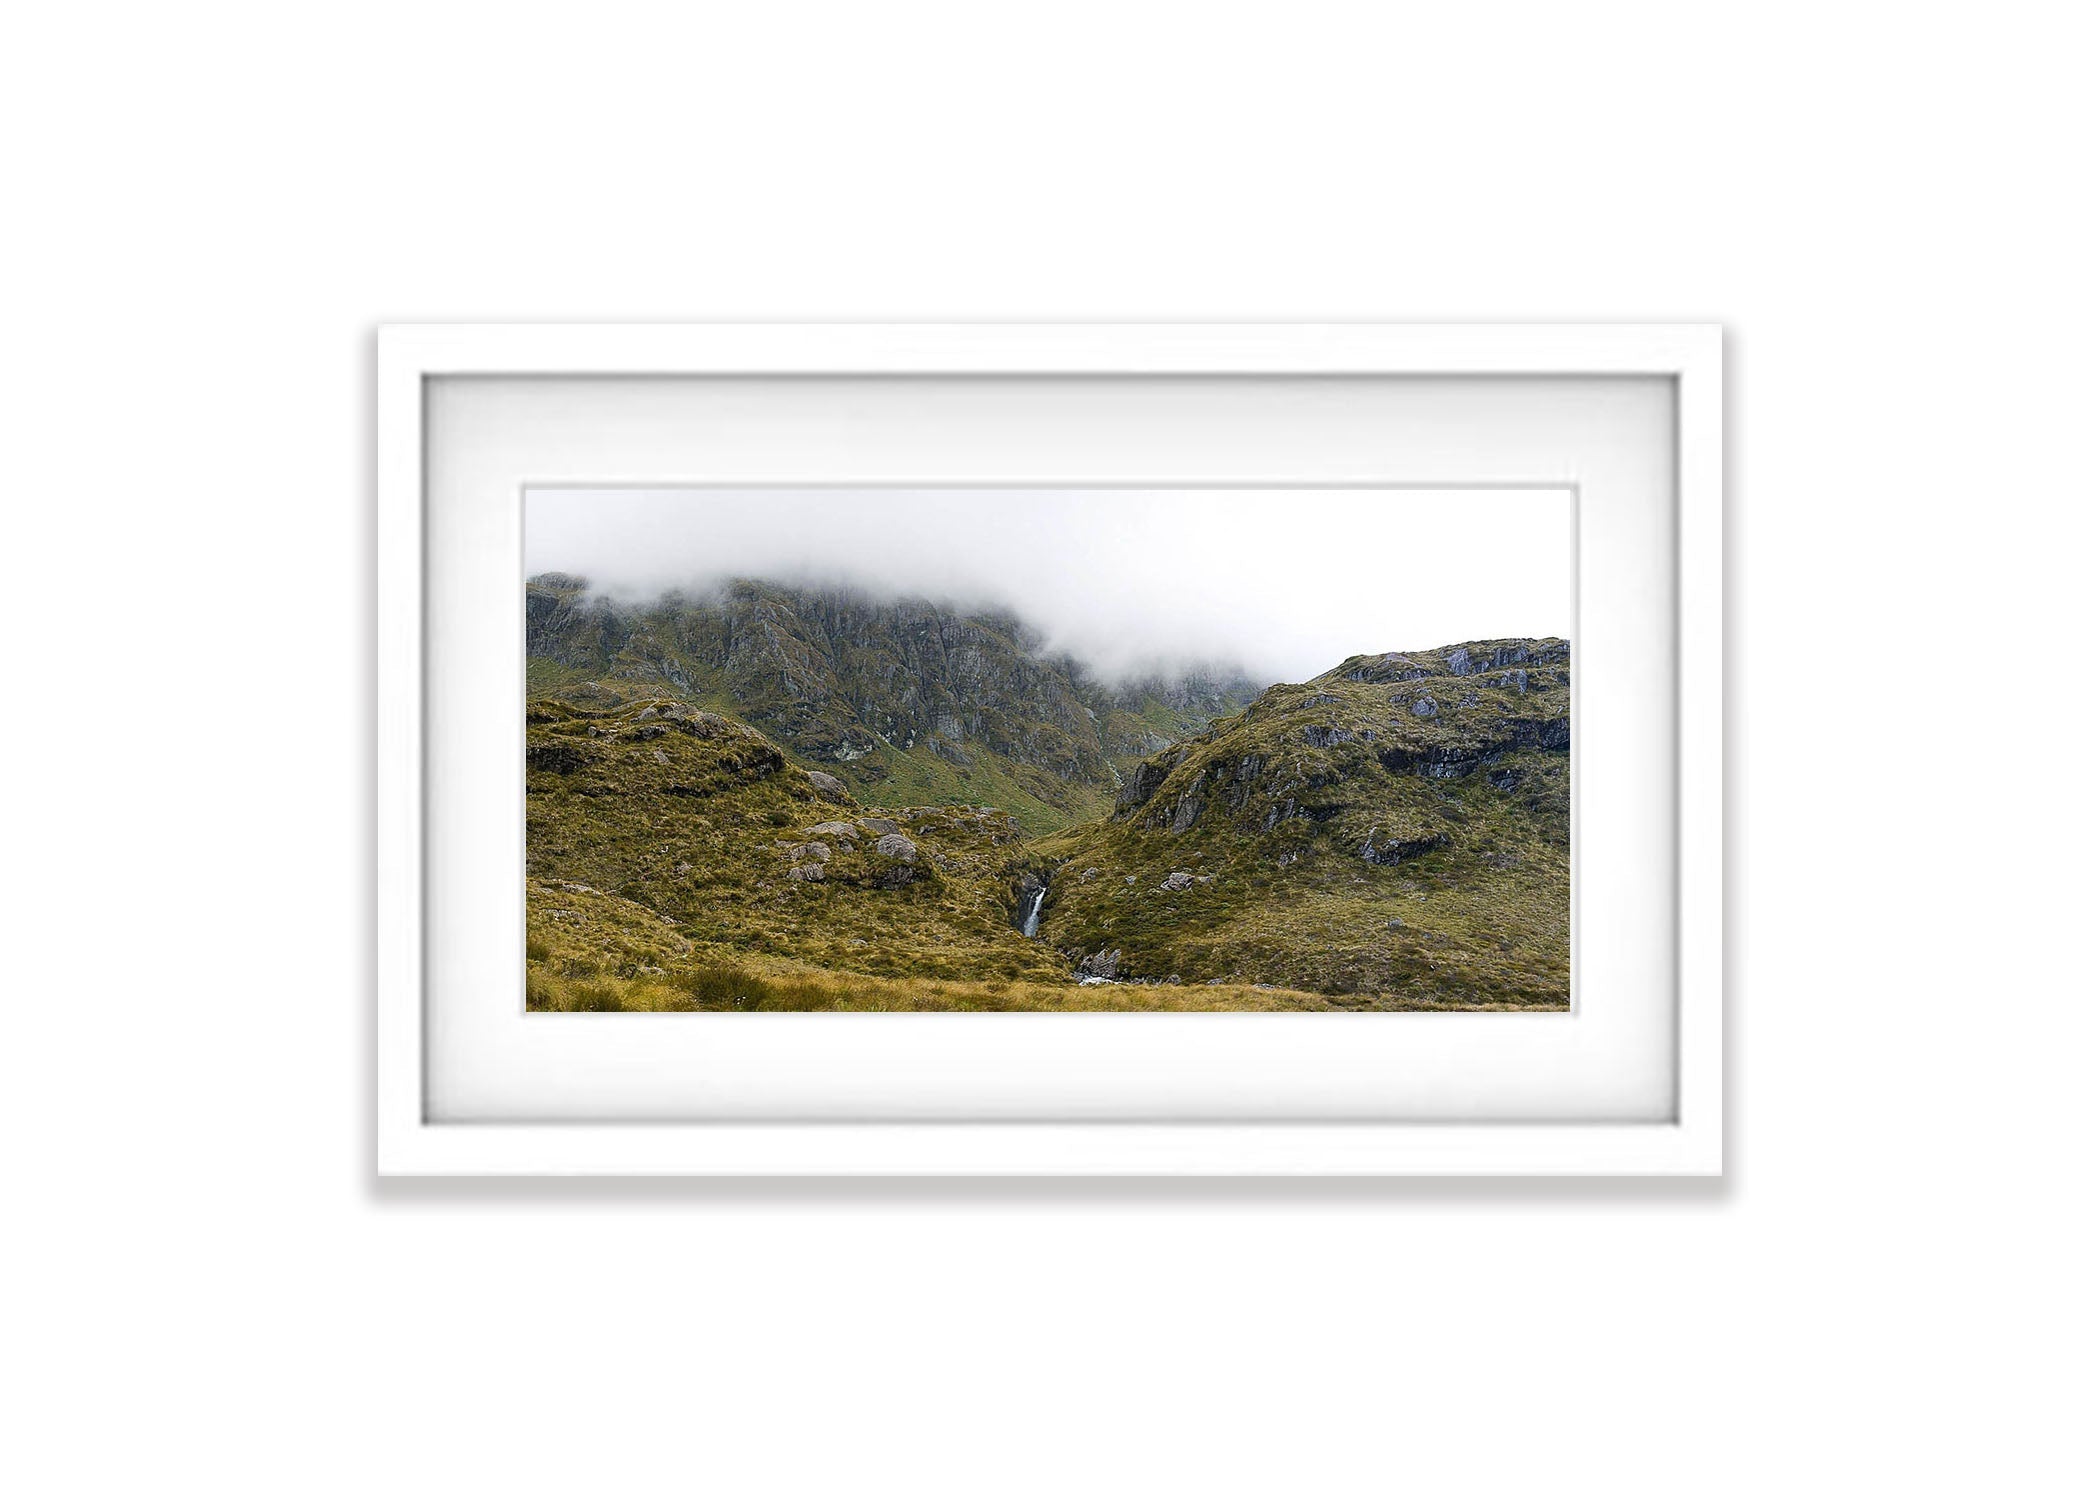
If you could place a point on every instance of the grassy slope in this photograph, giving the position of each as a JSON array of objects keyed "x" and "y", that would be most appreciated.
[
  {"x": 696, "y": 819},
  {"x": 663, "y": 884},
  {"x": 1473, "y": 905},
  {"x": 1037, "y": 800},
  {"x": 660, "y": 839}
]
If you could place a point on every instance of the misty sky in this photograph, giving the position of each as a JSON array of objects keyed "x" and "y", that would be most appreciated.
[{"x": 1282, "y": 582}]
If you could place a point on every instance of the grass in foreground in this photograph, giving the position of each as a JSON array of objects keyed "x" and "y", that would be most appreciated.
[{"x": 731, "y": 987}]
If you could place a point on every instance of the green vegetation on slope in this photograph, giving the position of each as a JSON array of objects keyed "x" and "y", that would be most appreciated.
[
  {"x": 1391, "y": 835},
  {"x": 700, "y": 822},
  {"x": 909, "y": 702},
  {"x": 1395, "y": 828}
]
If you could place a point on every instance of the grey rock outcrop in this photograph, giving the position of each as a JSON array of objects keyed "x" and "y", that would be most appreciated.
[
  {"x": 1102, "y": 965},
  {"x": 1138, "y": 788},
  {"x": 1393, "y": 851},
  {"x": 829, "y": 786}
]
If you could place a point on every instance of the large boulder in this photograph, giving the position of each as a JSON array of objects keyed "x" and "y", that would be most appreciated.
[
  {"x": 1102, "y": 965},
  {"x": 1180, "y": 880},
  {"x": 896, "y": 846},
  {"x": 829, "y": 787}
]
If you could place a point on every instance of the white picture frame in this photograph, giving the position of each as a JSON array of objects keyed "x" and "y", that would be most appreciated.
[{"x": 1687, "y": 1140}]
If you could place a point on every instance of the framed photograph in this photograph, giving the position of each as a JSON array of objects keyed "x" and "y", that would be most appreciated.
[{"x": 1088, "y": 750}]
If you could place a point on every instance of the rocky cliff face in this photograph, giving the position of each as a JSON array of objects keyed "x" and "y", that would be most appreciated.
[
  {"x": 1452, "y": 713},
  {"x": 905, "y": 698}
]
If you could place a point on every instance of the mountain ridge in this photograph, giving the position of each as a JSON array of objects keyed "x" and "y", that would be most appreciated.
[
  {"x": 1392, "y": 833},
  {"x": 906, "y": 699}
]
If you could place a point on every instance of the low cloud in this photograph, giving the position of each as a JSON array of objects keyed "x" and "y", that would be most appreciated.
[{"x": 1282, "y": 583}]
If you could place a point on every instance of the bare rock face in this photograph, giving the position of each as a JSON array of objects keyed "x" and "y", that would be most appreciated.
[
  {"x": 896, "y": 846},
  {"x": 1423, "y": 708},
  {"x": 1138, "y": 789},
  {"x": 1102, "y": 965},
  {"x": 1392, "y": 851}
]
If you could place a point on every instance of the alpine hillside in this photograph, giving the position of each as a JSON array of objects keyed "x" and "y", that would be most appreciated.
[
  {"x": 712, "y": 820},
  {"x": 908, "y": 701},
  {"x": 1397, "y": 827}
]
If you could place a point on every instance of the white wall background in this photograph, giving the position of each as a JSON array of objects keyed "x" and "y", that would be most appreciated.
[{"x": 209, "y": 206}]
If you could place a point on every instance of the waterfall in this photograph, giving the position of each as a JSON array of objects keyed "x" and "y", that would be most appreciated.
[{"x": 1035, "y": 912}]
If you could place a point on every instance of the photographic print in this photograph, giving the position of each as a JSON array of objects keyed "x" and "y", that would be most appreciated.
[{"x": 1039, "y": 749}]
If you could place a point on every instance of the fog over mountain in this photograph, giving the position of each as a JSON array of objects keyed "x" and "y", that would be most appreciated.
[{"x": 1283, "y": 582}]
